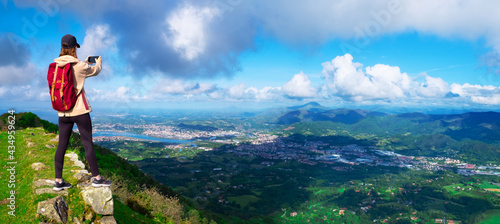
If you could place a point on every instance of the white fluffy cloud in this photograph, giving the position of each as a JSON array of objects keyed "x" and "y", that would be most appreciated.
[
  {"x": 299, "y": 87},
  {"x": 473, "y": 90},
  {"x": 187, "y": 30},
  {"x": 433, "y": 88},
  {"x": 241, "y": 91},
  {"x": 491, "y": 100},
  {"x": 269, "y": 93},
  {"x": 346, "y": 79},
  {"x": 343, "y": 80},
  {"x": 98, "y": 40},
  {"x": 489, "y": 95}
]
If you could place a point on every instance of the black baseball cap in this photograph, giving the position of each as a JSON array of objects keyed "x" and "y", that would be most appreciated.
[{"x": 69, "y": 41}]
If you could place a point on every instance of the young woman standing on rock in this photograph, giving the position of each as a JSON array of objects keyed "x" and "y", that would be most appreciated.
[{"x": 79, "y": 114}]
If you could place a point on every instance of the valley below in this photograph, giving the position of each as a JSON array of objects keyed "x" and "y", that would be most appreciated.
[{"x": 311, "y": 164}]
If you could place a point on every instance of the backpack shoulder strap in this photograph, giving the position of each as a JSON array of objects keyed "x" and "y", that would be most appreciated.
[
  {"x": 53, "y": 97},
  {"x": 62, "y": 82}
]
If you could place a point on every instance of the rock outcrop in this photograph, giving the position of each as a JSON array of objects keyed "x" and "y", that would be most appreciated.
[
  {"x": 43, "y": 182},
  {"x": 56, "y": 139},
  {"x": 99, "y": 199},
  {"x": 74, "y": 158},
  {"x": 39, "y": 166},
  {"x": 55, "y": 209}
]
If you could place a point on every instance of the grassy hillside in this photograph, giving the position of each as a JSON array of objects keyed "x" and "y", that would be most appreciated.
[{"x": 138, "y": 197}]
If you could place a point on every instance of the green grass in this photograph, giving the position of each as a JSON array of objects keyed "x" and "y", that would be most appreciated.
[
  {"x": 452, "y": 189},
  {"x": 464, "y": 190},
  {"x": 487, "y": 185},
  {"x": 491, "y": 217},
  {"x": 26, "y": 199},
  {"x": 124, "y": 214}
]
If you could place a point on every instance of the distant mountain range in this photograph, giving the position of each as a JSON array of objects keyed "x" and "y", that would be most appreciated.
[
  {"x": 482, "y": 126},
  {"x": 315, "y": 112}
]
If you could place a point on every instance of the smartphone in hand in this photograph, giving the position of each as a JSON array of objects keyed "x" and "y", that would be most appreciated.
[{"x": 93, "y": 58}]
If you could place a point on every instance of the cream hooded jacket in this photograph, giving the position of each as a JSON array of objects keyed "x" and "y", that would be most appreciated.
[{"x": 82, "y": 70}]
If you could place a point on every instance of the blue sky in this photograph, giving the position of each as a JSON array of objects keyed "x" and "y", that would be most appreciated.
[{"x": 188, "y": 54}]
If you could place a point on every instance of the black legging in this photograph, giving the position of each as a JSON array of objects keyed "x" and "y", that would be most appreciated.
[{"x": 84, "y": 125}]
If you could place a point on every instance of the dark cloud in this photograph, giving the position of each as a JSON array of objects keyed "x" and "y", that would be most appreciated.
[
  {"x": 14, "y": 52},
  {"x": 141, "y": 26}
]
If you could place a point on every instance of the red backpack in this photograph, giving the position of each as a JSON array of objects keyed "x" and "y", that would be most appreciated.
[{"x": 61, "y": 86}]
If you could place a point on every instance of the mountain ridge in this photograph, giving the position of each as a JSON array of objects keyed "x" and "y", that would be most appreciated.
[{"x": 314, "y": 111}]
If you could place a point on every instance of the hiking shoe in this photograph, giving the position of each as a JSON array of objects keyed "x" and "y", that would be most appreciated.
[
  {"x": 101, "y": 183},
  {"x": 58, "y": 186}
]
